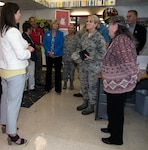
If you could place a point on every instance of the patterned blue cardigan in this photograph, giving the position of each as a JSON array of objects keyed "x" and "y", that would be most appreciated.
[{"x": 58, "y": 44}]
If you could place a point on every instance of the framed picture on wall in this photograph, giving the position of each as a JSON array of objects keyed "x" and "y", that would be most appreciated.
[{"x": 63, "y": 16}]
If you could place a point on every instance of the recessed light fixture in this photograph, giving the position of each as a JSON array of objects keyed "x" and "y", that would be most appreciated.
[{"x": 2, "y": 3}]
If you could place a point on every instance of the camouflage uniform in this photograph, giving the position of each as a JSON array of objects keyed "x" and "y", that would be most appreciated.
[
  {"x": 89, "y": 69},
  {"x": 70, "y": 42},
  {"x": 80, "y": 33}
]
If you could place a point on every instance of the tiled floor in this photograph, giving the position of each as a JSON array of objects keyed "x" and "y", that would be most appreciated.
[{"x": 54, "y": 124}]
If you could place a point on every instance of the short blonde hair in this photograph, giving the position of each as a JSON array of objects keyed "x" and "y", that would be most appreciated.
[
  {"x": 55, "y": 22},
  {"x": 95, "y": 19}
]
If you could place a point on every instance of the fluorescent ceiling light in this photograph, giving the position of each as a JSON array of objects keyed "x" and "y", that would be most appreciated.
[
  {"x": 80, "y": 13},
  {"x": 2, "y": 3}
]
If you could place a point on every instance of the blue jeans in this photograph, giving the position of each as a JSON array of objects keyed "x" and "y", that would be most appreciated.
[{"x": 11, "y": 99}]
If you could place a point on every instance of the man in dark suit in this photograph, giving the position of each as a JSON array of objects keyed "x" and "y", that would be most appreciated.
[{"x": 138, "y": 31}]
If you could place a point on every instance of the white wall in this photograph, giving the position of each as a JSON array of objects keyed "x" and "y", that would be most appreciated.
[
  {"x": 142, "y": 10},
  {"x": 48, "y": 14}
]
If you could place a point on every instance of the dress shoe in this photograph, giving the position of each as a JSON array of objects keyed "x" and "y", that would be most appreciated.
[
  {"x": 113, "y": 142},
  {"x": 78, "y": 95},
  {"x": 3, "y": 129},
  {"x": 105, "y": 130},
  {"x": 58, "y": 93}
]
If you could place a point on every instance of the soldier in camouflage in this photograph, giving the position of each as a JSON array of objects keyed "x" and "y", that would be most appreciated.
[
  {"x": 94, "y": 43},
  {"x": 70, "y": 43}
]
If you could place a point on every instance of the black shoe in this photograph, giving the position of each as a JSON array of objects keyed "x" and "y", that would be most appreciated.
[
  {"x": 109, "y": 141},
  {"x": 105, "y": 130},
  {"x": 83, "y": 106},
  {"x": 39, "y": 84},
  {"x": 32, "y": 90},
  {"x": 78, "y": 95},
  {"x": 88, "y": 110},
  {"x": 15, "y": 140}
]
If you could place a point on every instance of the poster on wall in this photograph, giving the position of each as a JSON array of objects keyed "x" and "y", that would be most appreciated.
[{"x": 63, "y": 16}]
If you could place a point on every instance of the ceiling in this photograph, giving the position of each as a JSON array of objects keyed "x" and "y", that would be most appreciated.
[{"x": 31, "y": 5}]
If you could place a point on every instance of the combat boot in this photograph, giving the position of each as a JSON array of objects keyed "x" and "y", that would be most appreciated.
[
  {"x": 82, "y": 106},
  {"x": 88, "y": 110},
  {"x": 65, "y": 85},
  {"x": 71, "y": 85}
]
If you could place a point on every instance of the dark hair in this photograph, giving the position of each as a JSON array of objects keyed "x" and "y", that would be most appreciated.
[
  {"x": 26, "y": 26},
  {"x": 134, "y": 11},
  {"x": 123, "y": 27},
  {"x": 7, "y": 16}
]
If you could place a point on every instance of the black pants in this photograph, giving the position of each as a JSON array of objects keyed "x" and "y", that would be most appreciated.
[
  {"x": 115, "y": 110},
  {"x": 38, "y": 67},
  {"x": 57, "y": 62},
  {"x": 0, "y": 88}
]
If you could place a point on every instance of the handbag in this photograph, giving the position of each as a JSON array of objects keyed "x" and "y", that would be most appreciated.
[{"x": 82, "y": 54}]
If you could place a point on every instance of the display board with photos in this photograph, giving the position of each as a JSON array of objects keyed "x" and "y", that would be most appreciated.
[
  {"x": 43, "y": 24},
  {"x": 75, "y": 3}
]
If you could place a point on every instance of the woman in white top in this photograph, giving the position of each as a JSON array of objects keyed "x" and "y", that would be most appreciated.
[{"x": 14, "y": 52}]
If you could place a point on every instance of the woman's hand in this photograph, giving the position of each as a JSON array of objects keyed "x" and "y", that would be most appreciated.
[
  {"x": 30, "y": 48},
  {"x": 51, "y": 54},
  {"x": 87, "y": 57},
  {"x": 142, "y": 75}
]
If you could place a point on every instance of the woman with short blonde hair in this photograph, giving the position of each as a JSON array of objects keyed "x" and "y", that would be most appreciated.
[
  {"x": 53, "y": 44},
  {"x": 55, "y": 22},
  {"x": 92, "y": 48},
  {"x": 95, "y": 19}
]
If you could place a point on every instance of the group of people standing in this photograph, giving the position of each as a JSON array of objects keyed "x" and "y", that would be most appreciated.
[
  {"x": 117, "y": 64},
  {"x": 116, "y": 60}
]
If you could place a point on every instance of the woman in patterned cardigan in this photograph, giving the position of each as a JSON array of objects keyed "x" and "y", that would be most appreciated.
[{"x": 119, "y": 71}]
